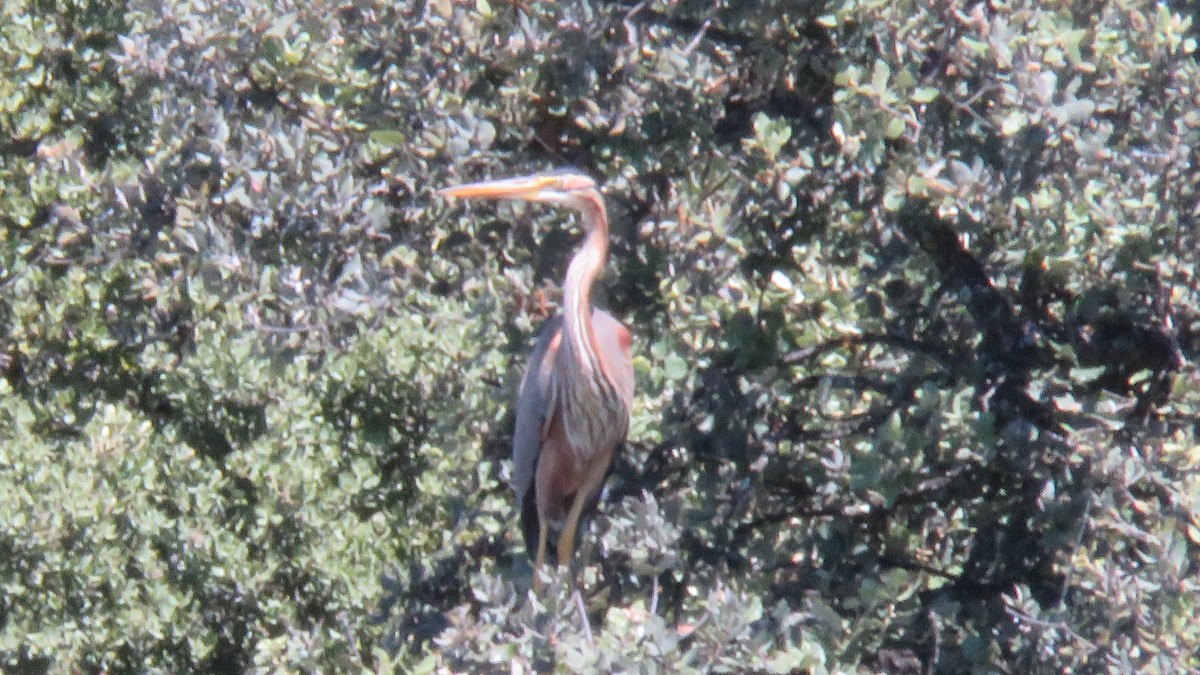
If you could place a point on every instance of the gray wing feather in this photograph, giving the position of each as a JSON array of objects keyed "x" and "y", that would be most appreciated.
[{"x": 533, "y": 399}]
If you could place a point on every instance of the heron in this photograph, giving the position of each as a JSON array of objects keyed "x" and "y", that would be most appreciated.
[{"x": 575, "y": 399}]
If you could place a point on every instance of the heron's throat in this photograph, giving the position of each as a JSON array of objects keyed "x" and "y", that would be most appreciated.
[{"x": 577, "y": 301}]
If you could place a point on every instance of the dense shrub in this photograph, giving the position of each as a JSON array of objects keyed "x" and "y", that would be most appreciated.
[{"x": 914, "y": 287}]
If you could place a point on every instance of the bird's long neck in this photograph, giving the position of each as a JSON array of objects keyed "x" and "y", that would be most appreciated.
[
  {"x": 586, "y": 392},
  {"x": 585, "y": 266}
]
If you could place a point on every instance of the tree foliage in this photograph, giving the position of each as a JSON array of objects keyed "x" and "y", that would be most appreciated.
[{"x": 913, "y": 285}]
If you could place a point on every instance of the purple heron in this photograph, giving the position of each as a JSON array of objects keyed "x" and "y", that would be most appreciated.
[{"x": 575, "y": 398}]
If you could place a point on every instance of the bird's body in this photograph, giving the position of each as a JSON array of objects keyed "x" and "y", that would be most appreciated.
[
  {"x": 557, "y": 449},
  {"x": 574, "y": 402}
]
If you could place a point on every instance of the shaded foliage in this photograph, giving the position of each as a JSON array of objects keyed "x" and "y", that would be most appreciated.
[{"x": 914, "y": 290}]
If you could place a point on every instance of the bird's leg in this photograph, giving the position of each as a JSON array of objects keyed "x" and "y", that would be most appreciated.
[
  {"x": 592, "y": 480},
  {"x": 543, "y": 533},
  {"x": 566, "y": 542}
]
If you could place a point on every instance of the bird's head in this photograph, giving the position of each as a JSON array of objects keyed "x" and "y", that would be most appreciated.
[{"x": 564, "y": 188}]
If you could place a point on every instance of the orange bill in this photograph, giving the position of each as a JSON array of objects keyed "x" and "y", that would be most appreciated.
[{"x": 525, "y": 187}]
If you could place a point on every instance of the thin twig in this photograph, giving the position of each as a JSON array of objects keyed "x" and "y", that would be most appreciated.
[{"x": 583, "y": 619}]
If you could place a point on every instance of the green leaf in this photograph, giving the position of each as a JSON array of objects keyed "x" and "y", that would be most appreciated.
[
  {"x": 388, "y": 137},
  {"x": 924, "y": 94},
  {"x": 1014, "y": 122},
  {"x": 675, "y": 367},
  {"x": 1087, "y": 374},
  {"x": 880, "y": 76}
]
